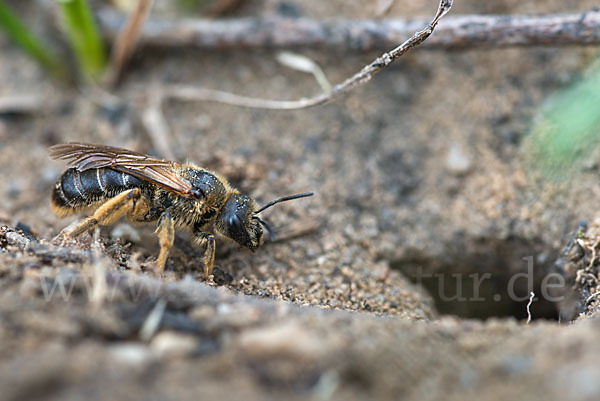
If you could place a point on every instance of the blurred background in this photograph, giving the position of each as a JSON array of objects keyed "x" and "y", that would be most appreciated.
[{"x": 446, "y": 164}]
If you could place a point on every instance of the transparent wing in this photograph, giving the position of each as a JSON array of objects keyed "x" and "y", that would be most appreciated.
[{"x": 84, "y": 156}]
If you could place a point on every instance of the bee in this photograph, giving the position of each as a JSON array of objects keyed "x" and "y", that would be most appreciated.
[{"x": 119, "y": 182}]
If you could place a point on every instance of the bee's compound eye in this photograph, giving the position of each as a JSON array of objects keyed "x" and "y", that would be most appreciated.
[{"x": 234, "y": 223}]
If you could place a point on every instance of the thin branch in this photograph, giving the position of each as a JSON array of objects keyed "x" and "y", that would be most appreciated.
[
  {"x": 156, "y": 125},
  {"x": 460, "y": 31},
  {"x": 126, "y": 40},
  {"x": 182, "y": 92},
  {"x": 21, "y": 103},
  {"x": 189, "y": 93}
]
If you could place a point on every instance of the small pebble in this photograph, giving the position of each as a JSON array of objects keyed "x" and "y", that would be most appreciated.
[
  {"x": 169, "y": 344},
  {"x": 457, "y": 161},
  {"x": 132, "y": 354}
]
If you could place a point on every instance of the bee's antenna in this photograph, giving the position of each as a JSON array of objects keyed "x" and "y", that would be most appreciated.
[{"x": 285, "y": 198}]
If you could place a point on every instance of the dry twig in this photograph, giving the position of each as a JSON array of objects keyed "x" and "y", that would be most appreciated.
[
  {"x": 20, "y": 104},
  {"x": 302, "y": 63},
  {"x": 531, "y": 295},
  {"x": 156, "y": 125},
  {"x": 382, "y": 7},
  {"x": 126, "y": 40},
  {"x": 459, "y": 31},
  {"x": 182, "y": 92}
]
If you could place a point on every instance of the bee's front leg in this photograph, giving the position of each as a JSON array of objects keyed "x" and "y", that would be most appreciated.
[{"x": 207, "y": 240}]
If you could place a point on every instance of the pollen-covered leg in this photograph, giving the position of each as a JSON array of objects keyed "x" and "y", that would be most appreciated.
[
  {"x": 165, "y": 231},
  {"x": 111, "y": 211},
  {"x": 207, "y": 240}
]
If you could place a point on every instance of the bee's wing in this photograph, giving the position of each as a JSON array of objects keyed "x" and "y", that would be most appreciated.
[{"x": 83, "y": 156}]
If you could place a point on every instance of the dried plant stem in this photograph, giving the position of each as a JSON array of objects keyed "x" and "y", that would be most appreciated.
[
  {"x": 157, "y": 127},
  {"x": 126, "y": 40},
  {"x": 188, "y": 93},
  {"x": 457, "y": 32},
  {"x": 531, "y": 296}
]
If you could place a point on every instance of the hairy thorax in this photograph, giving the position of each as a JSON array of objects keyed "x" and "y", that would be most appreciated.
[{"x": 194, "y": 213}]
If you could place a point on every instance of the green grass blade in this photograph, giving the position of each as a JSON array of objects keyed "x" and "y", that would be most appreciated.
[
  {"x": 19, "y": 34},
  {"x": 83, "y": 37},
  {"x": 567, "y": 128}
]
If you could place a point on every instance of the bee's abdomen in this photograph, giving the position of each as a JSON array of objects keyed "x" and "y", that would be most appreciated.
[{"x": 79, "y": 189}]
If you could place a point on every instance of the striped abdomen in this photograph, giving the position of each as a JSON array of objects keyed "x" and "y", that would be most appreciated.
[{"x": 76, "y": 190}]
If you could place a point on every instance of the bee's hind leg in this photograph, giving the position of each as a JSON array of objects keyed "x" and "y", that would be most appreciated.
[
  {"x": 207, "y": 240},
  {"x": 111, "y": 211}
]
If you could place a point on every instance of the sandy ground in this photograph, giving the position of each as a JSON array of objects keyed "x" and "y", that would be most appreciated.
[{"x": 421, "y": 172}]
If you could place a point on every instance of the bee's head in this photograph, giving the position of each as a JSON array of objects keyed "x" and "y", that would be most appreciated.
[
  {"x": 239, "y": 220},
  {"x": 236, "y": 221}
]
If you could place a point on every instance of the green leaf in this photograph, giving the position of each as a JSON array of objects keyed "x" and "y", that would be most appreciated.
[
  {"x": 567, "y": 127},
  {"x": 26, "y": 40},
  {"x": 83, "y": 37}
]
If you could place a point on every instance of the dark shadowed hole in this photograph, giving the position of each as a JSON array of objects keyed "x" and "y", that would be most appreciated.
[
  {"x": 457, "y": 295},
  {"x": 488, "y": 285}
]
